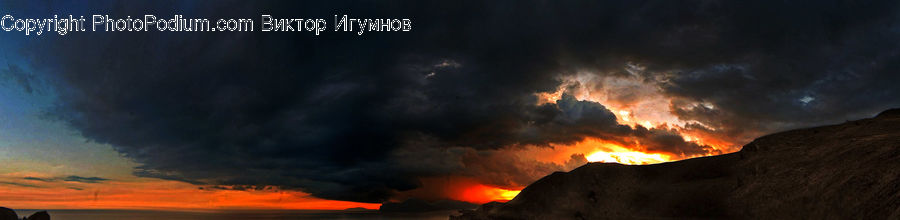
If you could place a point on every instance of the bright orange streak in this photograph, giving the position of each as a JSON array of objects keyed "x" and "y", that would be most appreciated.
[
  {"x": 509, "y": 194},
  {"x": 626, "y": 157},
  {"x": 613, "y": 153},
  {"x": 596, "y": 150}
]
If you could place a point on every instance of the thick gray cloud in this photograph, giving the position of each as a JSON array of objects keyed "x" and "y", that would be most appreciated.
[{"x": 328, "y": 114}]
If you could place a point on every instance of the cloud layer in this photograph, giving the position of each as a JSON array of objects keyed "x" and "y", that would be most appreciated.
[{"x": 360, "y": 118}]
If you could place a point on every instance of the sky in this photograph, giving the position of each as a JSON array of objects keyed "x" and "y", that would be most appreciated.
[{"x": 476, "y": 102}]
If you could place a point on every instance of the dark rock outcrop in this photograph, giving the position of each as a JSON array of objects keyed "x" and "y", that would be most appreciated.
[
  {"x": 846, "y": 171},
  {"x": 42, "y": 215},
  {"x": 8, "y": 214}
]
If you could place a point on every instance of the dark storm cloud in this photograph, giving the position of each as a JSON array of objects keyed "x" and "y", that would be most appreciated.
[
  {"x": 790, "y": 64},
  {"x": 570, "y": 120},
  {"x": 325, "y": 114}
]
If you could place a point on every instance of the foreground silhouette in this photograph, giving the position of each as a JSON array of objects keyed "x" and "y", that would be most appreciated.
[
  {"x": 9, "y": 214},
  {"x": 845, "y": 171}
]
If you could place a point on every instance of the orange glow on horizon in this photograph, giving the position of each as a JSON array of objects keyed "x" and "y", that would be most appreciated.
[
  {"x": 464, "y": 189},
  {"x": 631, "y": 157},
  {"x": 153, "y": 194},
  {"x": 481, "y": 193},
  {"x": 598, "y": 150}
]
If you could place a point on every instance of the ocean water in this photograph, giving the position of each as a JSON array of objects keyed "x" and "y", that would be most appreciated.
[{"x": 231, "y": 215}]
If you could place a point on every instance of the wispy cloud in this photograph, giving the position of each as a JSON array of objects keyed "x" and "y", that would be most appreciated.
[
  {"x": 19, "y": 184},
  {"x": 69, "y": 179},
  {"x": 84, "y": 179},
  {"x": 39, "y": 179}
]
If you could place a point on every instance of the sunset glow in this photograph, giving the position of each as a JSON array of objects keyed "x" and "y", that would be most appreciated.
[
  {"x": 464, "y": 189},
  {"x": 632, "y": 157},
  {"x": 156, "y": 194},
  {"x": 482, "y": 193},
  {"x": 607, "y": 152},
  {"x": 599, "y": 150}
]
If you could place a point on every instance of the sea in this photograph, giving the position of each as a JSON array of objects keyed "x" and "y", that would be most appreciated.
[{"x": 70, "y": 214}]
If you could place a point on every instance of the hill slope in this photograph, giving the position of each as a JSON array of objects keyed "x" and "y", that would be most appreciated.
[{"x": 846, "y": 171}]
